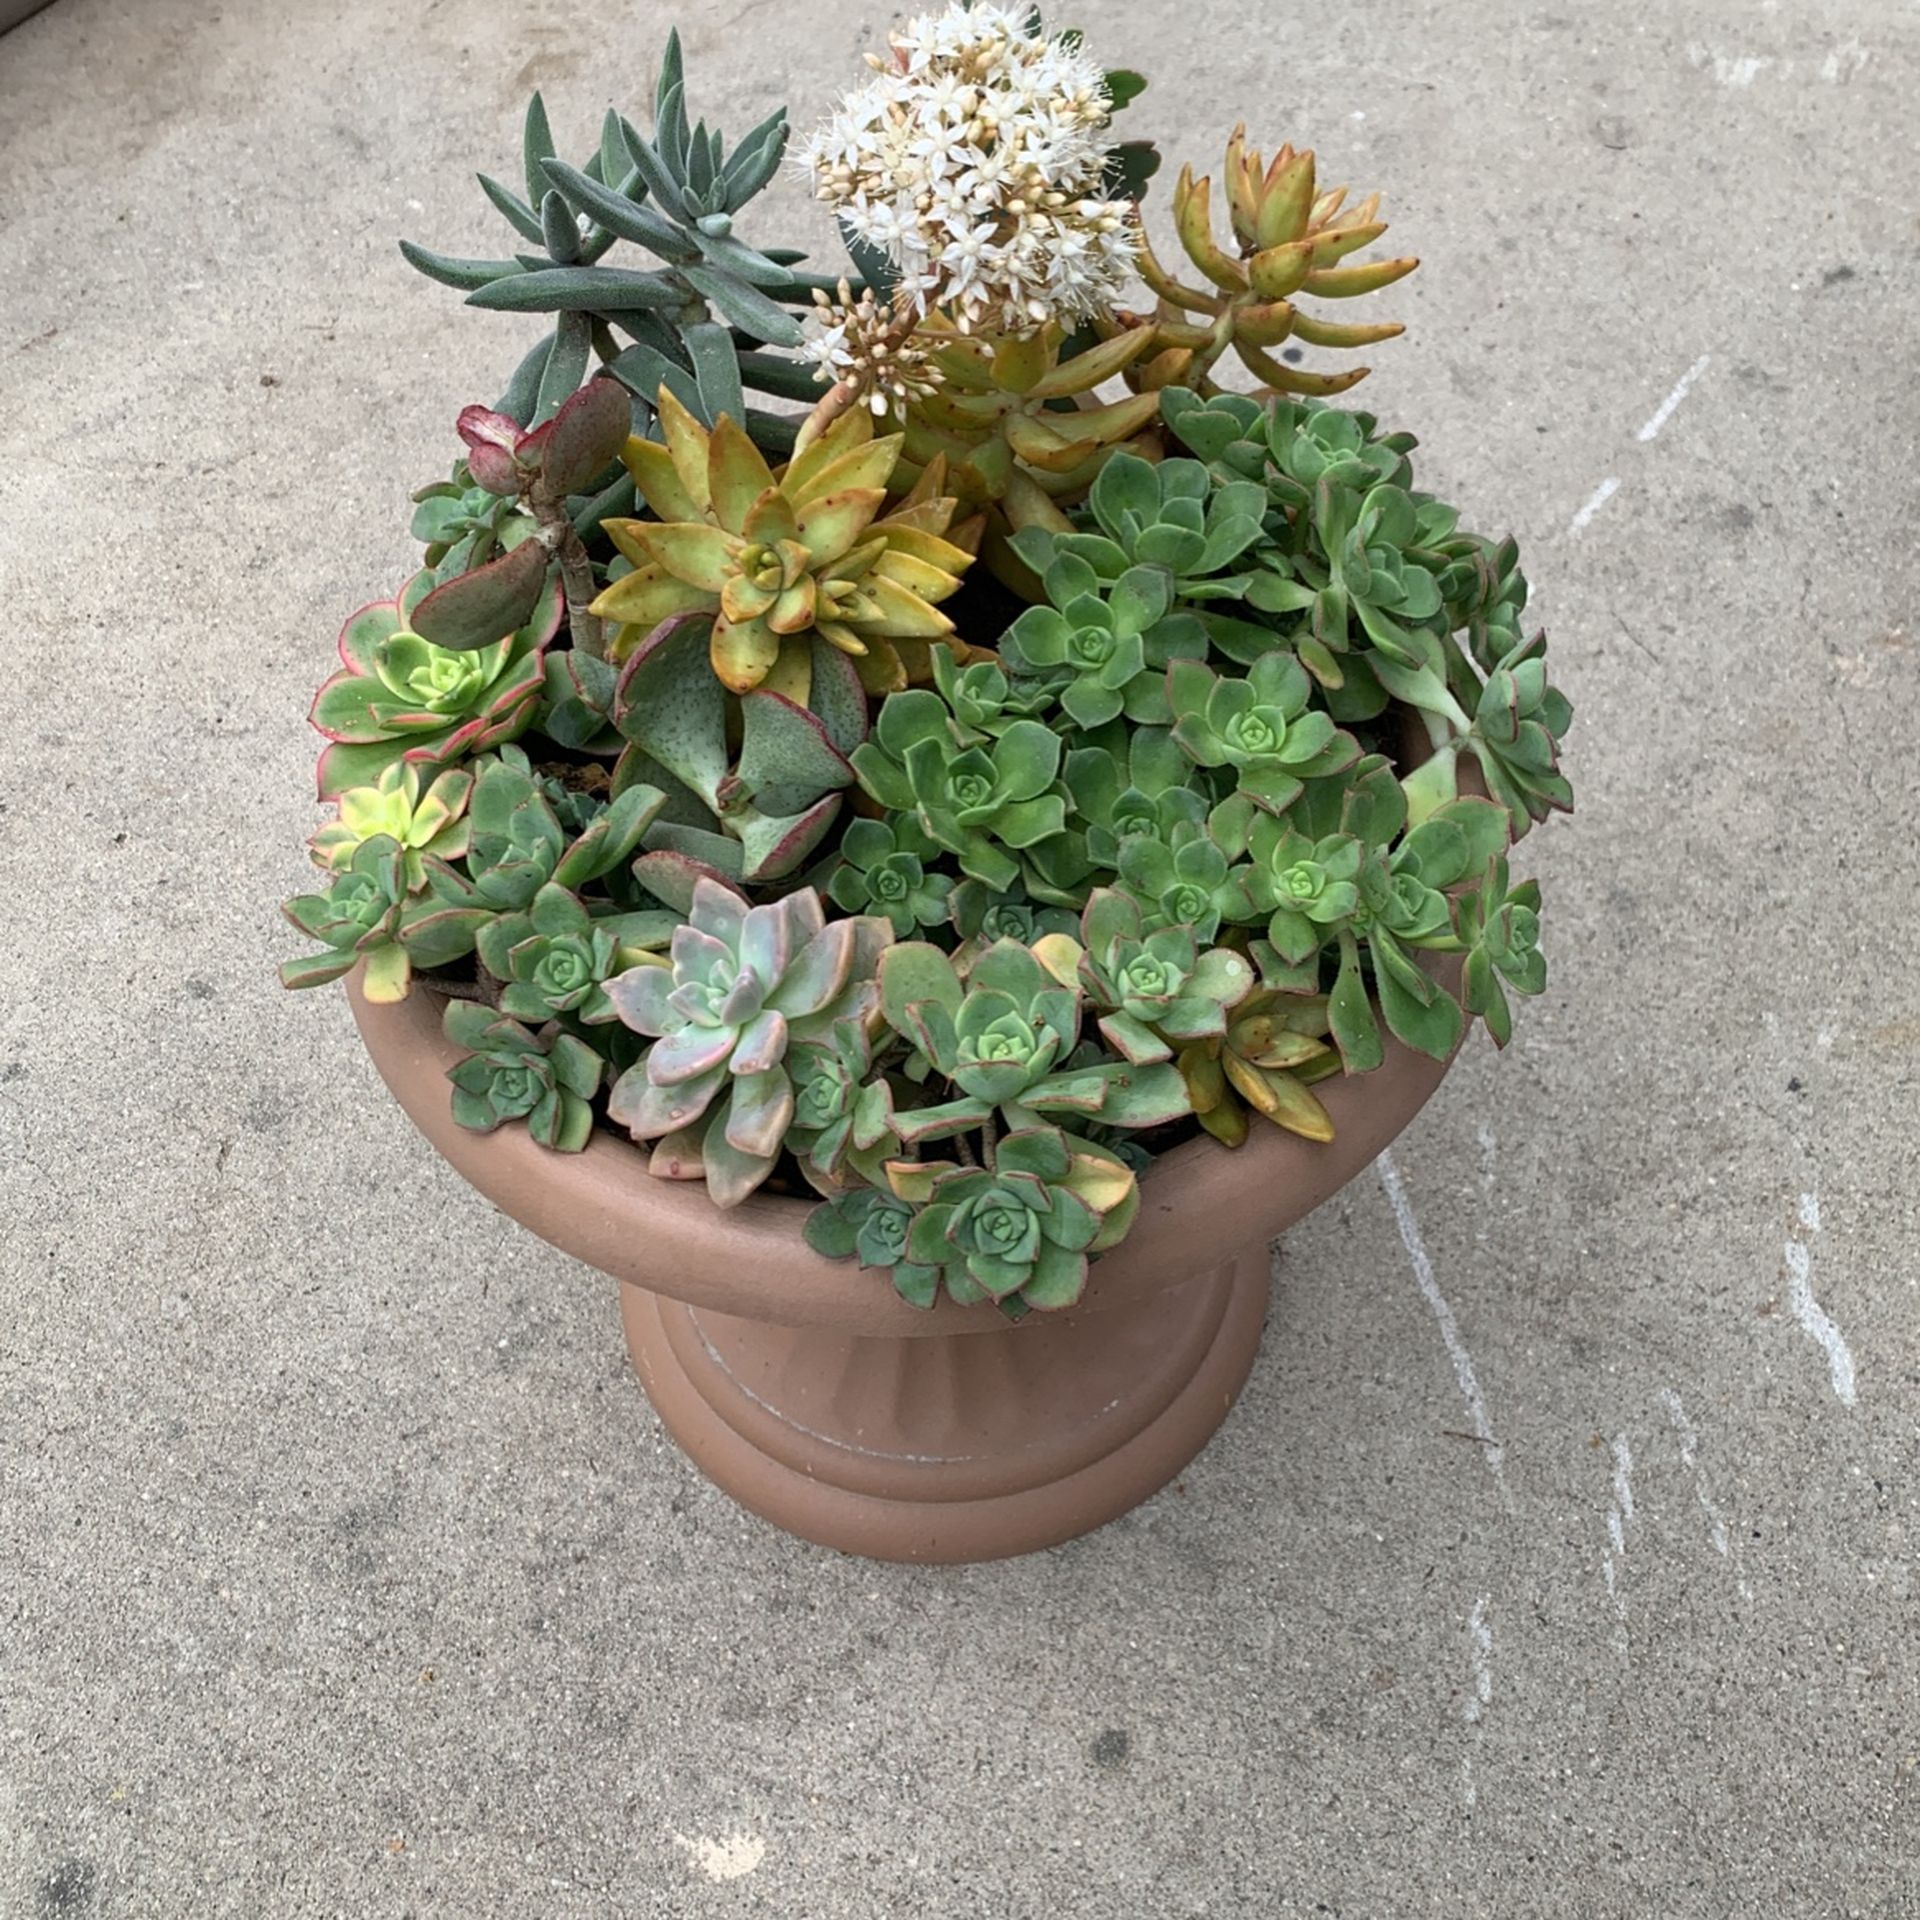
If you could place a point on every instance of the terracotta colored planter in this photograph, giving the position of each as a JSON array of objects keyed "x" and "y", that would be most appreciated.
[{"x": 817, "y": 1397}]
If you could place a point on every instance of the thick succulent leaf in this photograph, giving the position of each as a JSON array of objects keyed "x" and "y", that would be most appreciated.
[
  {"x": 745, "y": 307},
  {"x": 476, "y": 609},
  {"x": 452, "y": 272},
  {"x": 577, "y": 290},
  {"x": 585, "y": 438}
]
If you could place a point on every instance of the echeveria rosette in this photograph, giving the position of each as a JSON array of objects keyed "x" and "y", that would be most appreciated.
[
  {"x": 366, "y": 915},
  {"x": 871, "y": 1224},
  {"x": 742, "y": 984},
  {"x": 1018, "y": 1232},
  {"x": 982, "y": 699},
  {"x": 1103, "y": 647},
  {"x": 422, "y": 824},
  {"x": 564, "y": 961},
  {"x": 1500, "y": 928},
  {"x": 983, "y": 803},
  {"x": 1152, "y": 991},
  {"x": 883, "y": 869},
  {"x": 1309, "y": 885},
  {"x": 840, "y": 1108},
  {"x": 399, "y": 697},
  {"x": 1146, "y": 786},
  {"x": 1261, "y": 726},
  {"x": 981, "y": 916},
  {"x": 1183, "y": 880},
  {"x": 547, "y": 1079},
  {"x": 518, "y": 843},
  {"x": 1005, "y": 1039},
  {"x": 1172, "y": 515}
]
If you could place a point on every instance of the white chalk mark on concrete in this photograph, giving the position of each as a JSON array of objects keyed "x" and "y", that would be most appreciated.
[
  {"x": 1717, "y": 1529},
  {"x": 1480, "y": 1633},
  {"x": 1463, "y": 1372},
  {"x": 1844, "y": 61},
  {"x": 1730, "y": 69},
  {"x": 1615, "y": 1550},
  {"x": 1623, "y": 1476},
  {"x": 1814, "y": 1318},
  {"x": 1601, "y": 495},
  {"x": 730, "y": 1856},
  {"x": 1665, "y": 410}
]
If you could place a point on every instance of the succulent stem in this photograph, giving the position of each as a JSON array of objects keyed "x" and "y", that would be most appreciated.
[{"x": 576, "y": 576}]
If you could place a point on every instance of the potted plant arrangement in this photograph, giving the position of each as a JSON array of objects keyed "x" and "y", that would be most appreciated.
[{"x": 901, "y": 816}]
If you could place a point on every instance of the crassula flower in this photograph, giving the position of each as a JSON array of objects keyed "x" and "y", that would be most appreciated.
[{"x": 975, "y": 160}]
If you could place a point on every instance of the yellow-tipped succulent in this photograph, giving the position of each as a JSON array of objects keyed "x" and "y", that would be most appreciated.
[
  {"x": 992, "y": 418},
  {"x": 780, "y": 558},
  {"x": 1289, "y": 238},
  {"x": 1275, "y": 1043}
]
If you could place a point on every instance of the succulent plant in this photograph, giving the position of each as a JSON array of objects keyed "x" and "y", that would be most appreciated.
[
  {"x": 1261, "y": 726},
  {"x": 839, "y": 1106},
  {"x": 1288, "y": 238},
  {"x": 871, "y": 1224},
  {"x": 1249, "y": 760},
  {"x": 548, "y": 1079},
  {"x": 994, "y": 419},
  {"x": 1005, "y": 1038},
  {"x": 744, "y": 814},
  {"x": 517, "y": 842},
  {"x": 776, "y": 562},
  {"x": 1017, "y": 1232},
  {"x": 401, "y": 697},
  {"x": 425, "y": 825},
  {"x": 883, "y": 870},
  {"x": 1500, "y": 929},
  {"x": 541, "y": 470},
  {"x": 1153, "y": 990},
  {"x": 977, "y": 801},
  {"x": 563, "y": 957},
  {"x": 365, "y": 915},
  {"x": 1273, "y": 1048},
  {"x": 743, "y": 984},
  {"x": 677, "y": 196}
]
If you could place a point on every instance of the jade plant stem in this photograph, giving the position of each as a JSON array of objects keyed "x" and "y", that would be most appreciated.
[{"x": 576, "y": 576}]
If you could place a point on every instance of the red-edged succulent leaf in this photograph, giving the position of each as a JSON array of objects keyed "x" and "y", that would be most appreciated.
[
  {"x": 583, "y": 439},
  {"x": 486, "y": 605},
  {"x": 365, "y": 628}
]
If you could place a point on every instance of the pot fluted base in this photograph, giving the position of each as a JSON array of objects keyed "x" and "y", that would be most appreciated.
[{"x": 973, "y": 1447}]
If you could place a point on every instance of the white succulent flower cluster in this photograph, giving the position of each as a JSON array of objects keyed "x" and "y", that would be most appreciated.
[
  {"x": 974, "y": 160},
  {"x": 870, "y": 346}
]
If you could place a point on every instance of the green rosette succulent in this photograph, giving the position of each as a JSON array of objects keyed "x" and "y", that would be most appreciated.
[
  {"x": 740, "y": 987},
  {"x": 1184, "y": 879},
  {"x": 365, "y": 915},
  {"x": 1500, "y": 929},
  {"x": 870, "y": 1225},
  {"x": 547, "y": 1079},
  {"x": 399, "y": 697},
  {"x": 1261, "y": 726},
  {"x": 518, "y": 842},
  {"x": 984, "y": 802},
  {"x": 983, "y": 700},
  {"x": 839, "y": 1107},
  {"x": 1146, "y": 786},
  {"x": 1310, "y": 885},
  {"x": 1176, "y": 516},
  {"x": 1006, "y": 1038},
  {"x": 1017, "y": 1232},
  {"x": 424, "y": 825},
  {"x": 883, "y": 870},
  {"x": 1103, "y": 646},
  {"x": 1151, "y": 991},
  {"x": 981, "y": 916}
]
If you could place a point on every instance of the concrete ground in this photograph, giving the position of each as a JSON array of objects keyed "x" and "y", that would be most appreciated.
[{"x": 344, "y": 1569}]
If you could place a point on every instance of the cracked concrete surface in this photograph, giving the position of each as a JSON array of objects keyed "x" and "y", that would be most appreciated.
[{"x": 343, "y": 1568}]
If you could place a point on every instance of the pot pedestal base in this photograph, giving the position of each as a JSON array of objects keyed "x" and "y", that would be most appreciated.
[{"x": 971, "y": 1446}]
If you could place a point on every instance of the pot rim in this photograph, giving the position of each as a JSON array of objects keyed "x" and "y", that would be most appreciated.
[{"x": 1201, "y": 1203}]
